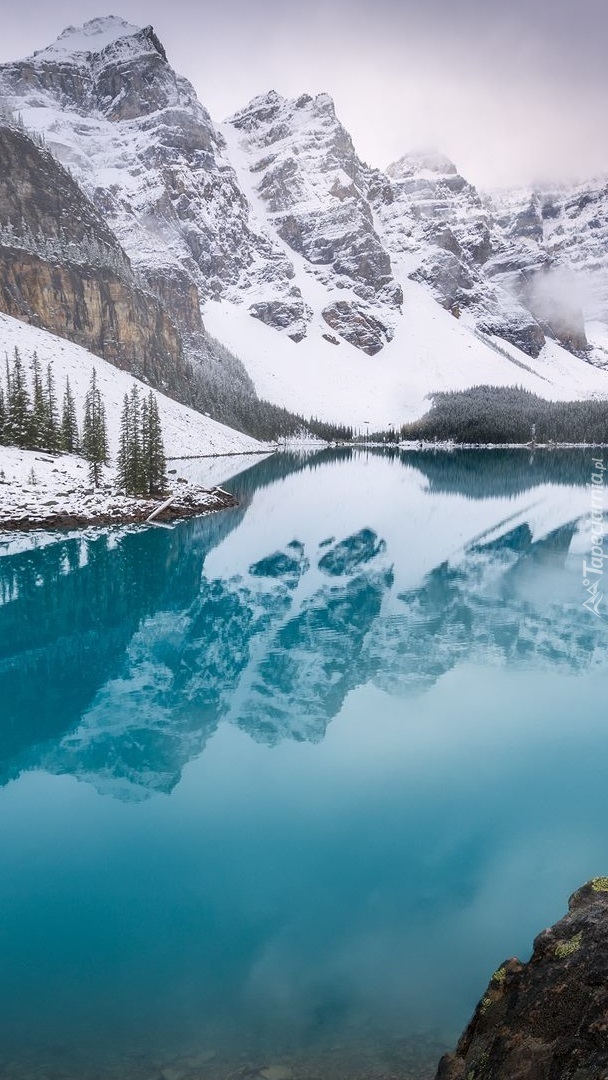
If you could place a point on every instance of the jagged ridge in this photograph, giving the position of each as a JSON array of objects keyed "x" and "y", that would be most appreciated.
[{"x": 275, "y": 215}]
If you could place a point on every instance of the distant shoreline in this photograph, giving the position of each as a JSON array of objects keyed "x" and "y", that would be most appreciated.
[
  {"x": 228, "y": 453},
  {"x": 449, "y": 444}
]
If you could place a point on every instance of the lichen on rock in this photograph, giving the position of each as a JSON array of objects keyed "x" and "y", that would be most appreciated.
[{"x": 547, "y": 1019}]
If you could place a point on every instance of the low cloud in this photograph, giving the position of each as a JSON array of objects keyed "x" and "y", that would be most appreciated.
[{"x": 513, "y": 93}]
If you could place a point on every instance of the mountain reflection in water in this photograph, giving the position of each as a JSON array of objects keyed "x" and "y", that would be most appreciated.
[
  {"x": 286, "y": 784},
  {"x": 140, "y": 651}
]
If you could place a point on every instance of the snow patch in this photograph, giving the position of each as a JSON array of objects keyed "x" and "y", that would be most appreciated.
[{"x": 91, "y": 37}]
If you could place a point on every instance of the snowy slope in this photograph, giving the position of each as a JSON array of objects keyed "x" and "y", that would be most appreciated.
[
  {"x": 274, "y": 216},
  {"x": 185, "y": 431},
  {"x": 431, "y": 351}
]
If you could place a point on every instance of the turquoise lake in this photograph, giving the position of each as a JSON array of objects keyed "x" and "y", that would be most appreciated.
[{"x": 285, "y": 785}]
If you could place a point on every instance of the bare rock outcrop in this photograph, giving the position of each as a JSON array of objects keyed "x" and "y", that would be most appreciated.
[
  {"x": 547, "y": 1019},
  {"x": 62, "y": 269}
]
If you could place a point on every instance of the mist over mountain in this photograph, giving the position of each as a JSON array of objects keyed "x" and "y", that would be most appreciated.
[
  {"x": 512, "y": 93},
  {"x": 338, "y": 290}
]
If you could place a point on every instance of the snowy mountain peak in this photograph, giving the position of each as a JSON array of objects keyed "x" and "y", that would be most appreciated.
[
  {"x": 299, "y": 253},
  {"x": 299, "y": 167},
  {"x": 260, "y": 108},
  {"x": 94, "y": 37},
  {"x": 270, "y": 107},
  {"x": 421, "y": 161},
  {"x": 323, "y": 103}
]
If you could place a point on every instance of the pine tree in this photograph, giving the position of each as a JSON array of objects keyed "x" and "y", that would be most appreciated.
[
  {"x": 51, "y": 431},
  {"x": 153, "y": 448},
  {"x": 70, "y": 438},
  {"x": 2, "y": 416},
  {"x": 94, "y": 432},
  {"x": 39, "y": 422},
  {"x": 141, "y": 458},
  {"x": 145, "y": 446},
  {"x": 136, "y": 473},
  {"x": 124, "y": 445},
  {"x": 18, "y": 409},
  {"x": 5, "y": 431},
  {"x": 8, "y": 375}
]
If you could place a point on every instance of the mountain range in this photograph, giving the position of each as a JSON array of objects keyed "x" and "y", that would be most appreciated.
[{"x": 261, "y": 258}]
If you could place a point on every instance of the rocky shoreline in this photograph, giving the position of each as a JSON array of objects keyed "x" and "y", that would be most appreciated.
[
  {"x": 546, "y": 1019},
  {"x": 54, "y": 492},
  {"x": 120, "y": 510}
]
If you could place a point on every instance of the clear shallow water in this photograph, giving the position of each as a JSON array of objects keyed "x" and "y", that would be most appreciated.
[{"x": 290, "y": 782}]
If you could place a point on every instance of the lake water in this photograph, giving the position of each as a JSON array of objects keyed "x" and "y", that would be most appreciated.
[{"x": 284, "y": 786}]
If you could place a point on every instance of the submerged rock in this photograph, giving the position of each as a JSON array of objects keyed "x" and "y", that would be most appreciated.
[
  {"x": 547, "y": 1019},
  {"x": 276, "y": 1072}
]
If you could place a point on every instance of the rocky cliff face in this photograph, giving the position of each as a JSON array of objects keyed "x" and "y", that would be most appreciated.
[
  {"x": 40, "y": 202},
  {"x": 95, "y": 309},
  {"x": 145, "y": 150},
  {"x": 61, "y": 268},
  {"x": 495, "y": 266},
  {"x": 545, "y": 1020},
  {"x": 274, "y": 216},
  {"x": 563, "y": 231},
  {"x": 423, "y": 201},
  {"x": 300, "y": 166}
]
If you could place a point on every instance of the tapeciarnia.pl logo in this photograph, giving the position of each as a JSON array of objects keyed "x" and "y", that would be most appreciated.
[{"x": 593, "y": 571}]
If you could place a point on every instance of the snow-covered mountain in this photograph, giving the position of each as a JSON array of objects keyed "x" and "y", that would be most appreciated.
[
  {"x": 298, "y": 167},
  {"x": 441, "y": 233},
  {"x": 346, "y": 292},
  {"x": 568, "y": 228},
  {"x": 140, "y": 143}
]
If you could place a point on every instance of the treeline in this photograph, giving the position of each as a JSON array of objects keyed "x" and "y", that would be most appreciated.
[
  {"x": 32, "y": 418},
  {"x": 226, "y": 392},
  {"x": 384, "y": 435},
  {"x": 288, "y": 425},
  {"x": 86, "y": 251},
  {"x": 267, "y": 422},
  {"x": 502, "y": 414},
  {"x": 329, "y": 432},
  {"x": 141, "y": 462},
  {"x": 30, "y": 415}
]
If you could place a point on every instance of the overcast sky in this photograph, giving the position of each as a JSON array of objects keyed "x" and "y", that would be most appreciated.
[{"x": 513, "y": 91}]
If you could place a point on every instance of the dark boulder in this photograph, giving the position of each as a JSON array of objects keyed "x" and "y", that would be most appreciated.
[{"x": 547, "y": 1019}]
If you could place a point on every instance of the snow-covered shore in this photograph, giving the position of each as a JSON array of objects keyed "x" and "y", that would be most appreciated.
[
  {"x": 52, "y": 491},
  {"x": 40, "y": 490}
]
